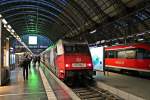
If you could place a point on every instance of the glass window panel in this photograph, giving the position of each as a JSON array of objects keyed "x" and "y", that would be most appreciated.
[
  {"x": 112, "y": 54},
  {"x": 121, "y": 54},
  {"x": 130, "y": 54}
]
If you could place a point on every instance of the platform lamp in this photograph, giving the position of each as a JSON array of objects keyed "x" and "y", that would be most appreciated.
[{"x": 4, "y": 21}]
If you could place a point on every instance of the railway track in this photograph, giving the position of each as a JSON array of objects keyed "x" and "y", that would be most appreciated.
[{"x": 94, "y": 93}]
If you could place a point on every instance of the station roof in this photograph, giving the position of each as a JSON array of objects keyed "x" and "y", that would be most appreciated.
[{"x": 75, "y": 19}]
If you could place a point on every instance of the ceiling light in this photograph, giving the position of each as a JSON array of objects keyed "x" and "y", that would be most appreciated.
[
  {"x": 105, "y": 46},
  {"x": 9, "y": 26},
  {"x": 7, "y": 38},
  {"x": 5, "y": 26},
  {"x": 0, "y": 16},
  {"x": 8, "y": 30},
  {"x": 116, "y": 43},
  {"x": 93, "y": 31},
  {"x": 102, "y": 41},
  {"x": 11, "y": 48},
  {"x": 4, "y": 21},
  {"x": 140, "y": 39},
  {"x": 12, "y": 31},
  {"x": 98, "y": 42}
]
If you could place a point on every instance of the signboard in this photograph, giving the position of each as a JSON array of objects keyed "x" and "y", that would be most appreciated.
[
  {"x": 33, "y": 40},
  {"x": 97, "y": 54}
]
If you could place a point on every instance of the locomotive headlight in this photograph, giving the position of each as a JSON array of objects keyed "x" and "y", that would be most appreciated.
[
  {"x": 89, "y": 64},
  {"x": 67, "y": 65}
]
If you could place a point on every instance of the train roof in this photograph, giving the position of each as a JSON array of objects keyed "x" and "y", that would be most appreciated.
[
  {"x": 73, "y": 42},
  {"x": 130, "y": 46}
]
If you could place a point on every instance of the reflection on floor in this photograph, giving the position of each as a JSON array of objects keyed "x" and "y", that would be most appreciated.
[{"x": 18, "y": 89}]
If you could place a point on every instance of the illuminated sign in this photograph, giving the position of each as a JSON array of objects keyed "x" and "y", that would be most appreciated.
[
  {"x": 33, "y": 40},
  {"x": 97, "y": 54}
]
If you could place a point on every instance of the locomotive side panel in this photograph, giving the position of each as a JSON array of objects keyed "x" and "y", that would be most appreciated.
[
  {"x": 60, "y": 66},
  {"x": 68, "y": 60}
]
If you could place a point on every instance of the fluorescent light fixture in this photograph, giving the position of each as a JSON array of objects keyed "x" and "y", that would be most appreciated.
[
  {"x": 102, "y": 41},
  {"x": 98, "y": 42},
  {"x": 11, "y": 48},
  {"x": 5, "y": 26},
  {"x": 12, "y": 31},
  {"x": 105, "y": 46},
  {"x": 140, "y": 39},
  {"x": 18, "y": 37},
  {"x": 4, "y": 21},
  {"x": 7, "y": 38},
  {"x": 93, "y": 31},
  {"x": 9, "y": 26},
  {"x": 0, "y": 15},
  {"x": 8, "y": 30},
  {"x": 116, "y": 43}
]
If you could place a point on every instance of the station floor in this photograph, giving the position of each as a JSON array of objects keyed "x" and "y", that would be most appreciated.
[
  {"x": 18, "y": 89},
  {"x": 38, "y": 86},
  {"x": 130, "y": 85},
  {"x": 33, "y": 88}
]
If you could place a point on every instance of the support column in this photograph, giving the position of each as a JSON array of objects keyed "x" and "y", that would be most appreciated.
[
  {"x": 6, "y": 53},
  {"x": 0, "y": 49}
]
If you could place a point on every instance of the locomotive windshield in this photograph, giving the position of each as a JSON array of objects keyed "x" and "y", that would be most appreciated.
[{"x": 76, "y": 48}]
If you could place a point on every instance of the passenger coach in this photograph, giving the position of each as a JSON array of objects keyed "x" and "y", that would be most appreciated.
[{"x": 135, "y": 57}]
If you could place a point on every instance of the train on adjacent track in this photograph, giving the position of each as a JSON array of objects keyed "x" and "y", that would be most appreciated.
[
  {"x": 69, "y": 60},
  {"x": 133, "y": 57}
]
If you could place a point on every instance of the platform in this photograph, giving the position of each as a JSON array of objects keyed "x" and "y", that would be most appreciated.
[
  {"x": 128, "y": 87},
  {"x": 18, "y": 89}
]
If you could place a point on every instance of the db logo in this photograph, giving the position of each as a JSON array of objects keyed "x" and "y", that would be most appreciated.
[{"x": 78, "y": 59}]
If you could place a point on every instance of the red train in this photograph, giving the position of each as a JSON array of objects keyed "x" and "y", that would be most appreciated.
[
  {"x": 135, "y": 57},
  {"x": 68, "y": 60}
]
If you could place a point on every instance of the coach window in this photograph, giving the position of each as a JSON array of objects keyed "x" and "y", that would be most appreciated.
[
  {"x": 131, "y": 54},
  {"x": 147, "y": 54},
  {"x": 106, "y": 54},
  {"x": 112, "y": 54},
  {"x": 121, "y": 54},
  {"x": 143, "y": 54},
  {"x": 140, "y": 53}
]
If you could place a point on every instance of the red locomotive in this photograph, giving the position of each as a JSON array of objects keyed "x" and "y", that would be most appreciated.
[
  {"x": 135, "y": 57},
  {"x": 69, "y": 60}
]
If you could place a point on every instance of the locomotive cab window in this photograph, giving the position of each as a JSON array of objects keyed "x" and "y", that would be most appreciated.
[{"x": 76, "y": 48}]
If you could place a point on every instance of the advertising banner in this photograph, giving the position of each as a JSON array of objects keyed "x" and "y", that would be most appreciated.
[{"x": 97, "y": 54}]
